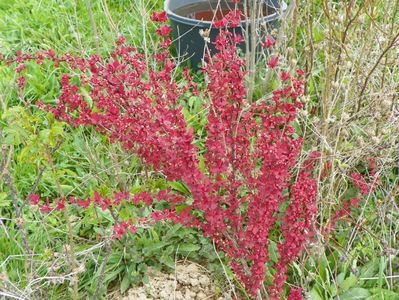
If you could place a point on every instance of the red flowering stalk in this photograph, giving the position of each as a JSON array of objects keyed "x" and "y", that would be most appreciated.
[
  {"x": 120, "y": 227},
  {"x": 295, "y": 294},
  {"x": 250, "y": 148},
  {"x": 359, "y": 182},
  {"x": 363, "y": 188},
  {"x": 296, "y": 227}
]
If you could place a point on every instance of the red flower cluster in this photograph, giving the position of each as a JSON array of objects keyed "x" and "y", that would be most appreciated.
[
  {"x": 363, "y": 187},
  {"x": 269, "y": 42},
  {"x": 361, "y": 184},
  {"x": 231, "y": 20},
  {"x": 159, "y": 17},
  {"x": 295, "y": 294},
  {"x": 120, "y": 228},
  {"x": 250, "y": 149}
]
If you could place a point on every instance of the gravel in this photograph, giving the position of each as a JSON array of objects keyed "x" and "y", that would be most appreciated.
[{"x": 189, "y": 282}]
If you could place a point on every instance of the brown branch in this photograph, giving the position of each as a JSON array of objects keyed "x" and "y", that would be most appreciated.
[
  {"x": 19, "y": 220},
  {"x": 390, "y": 45},
  {"x": 39, "y": 176},
  {"x": 108, "y": 248},
  {"x": 94, "y": 26},
  {"x": 344, "y": 36}
]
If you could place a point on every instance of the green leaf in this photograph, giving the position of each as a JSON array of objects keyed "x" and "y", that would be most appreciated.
[
  {"x": 297, "y": 268},
  {"x": 14, "y": 135},
  {"x": 354, "y": 294},
  {"x": 167, "y": 261},
  {"x": 314, "y": 295},
  {"x": 4, "y": 202},
  {"x": 323, "y": 269},
  {"x": 273, "y": 251},
  {"x": 180, "y": 208},
  {"x": 189, "y": 247},
  {"x": 381, "y": 274},
  {"x": 201, "y": 163},
  {"x": 370, "y": 269},
  {"x": 348, "y": 282},
  {"x": 86, "y": 97},
  {"x": 45, "y": 135},
  {"x": 125, "y": 284},
  {"x": 180, "y": 187},
  {"x": 340, "y": 278},
  {"x": 111, "y": 275},
  {"x": 171, "y": 232},
  {"x": 383, "y": 294},
  {"x": 153, "y": 246},
  {"x": 66, "y": 188}
]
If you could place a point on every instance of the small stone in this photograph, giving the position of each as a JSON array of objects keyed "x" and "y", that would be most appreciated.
[
  {"x": 142, "y": 297},
  {"x": 194, "y": 281},
  {"x": 164, "y": 294},
  {"x": 201, "y": 296},
  {"x": 187, "y": 297},
  {"x": 204, "y": 280},
  {"x": 189, "y": 294},
  {"x": 191, "y": 268},
  {"x": 153, "y": 291},
  {"x": 179, "y": 295},
  {"x": 183, "y": 278}
]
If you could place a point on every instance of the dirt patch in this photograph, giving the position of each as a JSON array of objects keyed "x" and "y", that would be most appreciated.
[{"x": 189, "y": 282}]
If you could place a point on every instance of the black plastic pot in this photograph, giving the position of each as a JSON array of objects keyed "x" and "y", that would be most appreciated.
[{"x": 187, "y": 31}]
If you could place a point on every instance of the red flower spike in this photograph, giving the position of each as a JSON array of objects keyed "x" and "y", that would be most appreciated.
[
  {"x": 34, "y": 199},
  {"x": 46, "y": 208},
  {"x": 269, "y": 42},
  {"x": 119, "y": 231},
  {"x": 144, "y": 197},
  {"x": 164, "y": 30},
  {"x": 21, "y": 81},
  {"x": 83, "y": 203},
  {"x": 237, "y": 39},
  {"x": 360, "y": 183},
  {"x": 121, "y": 40},
  {"x": 166, "y": 43},
  {"x": 159, "y": 17},
  {"x": 220, "y": 23},
  {"x": 285, "y": 76},
  {"x": 295, "y": 294},
  {"x": 20, "y": 68},
  {"x": 119, "y": 197},
  {"x": 60, "y": 205},
  {"x": 122, "y": 228},
  {"x": 233, "y": 18},
  {"x": 354, "y": 202},
  {"x": 273, "y": 62},
  {"x": 39, "y": 104},
  {"x": 300, "y": 72}
]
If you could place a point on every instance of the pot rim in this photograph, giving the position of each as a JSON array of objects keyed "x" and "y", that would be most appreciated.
[{"x": 189, "y": 21}]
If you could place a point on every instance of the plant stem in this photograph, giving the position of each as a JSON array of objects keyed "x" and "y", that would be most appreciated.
[
  {"x": 103, "y": 268},
  {"x": 94, "y": 26},
  {"x": 69, "y": 252}
]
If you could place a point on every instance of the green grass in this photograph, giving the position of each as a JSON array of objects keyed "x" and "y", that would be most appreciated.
[{"x": 358, "y": 262}]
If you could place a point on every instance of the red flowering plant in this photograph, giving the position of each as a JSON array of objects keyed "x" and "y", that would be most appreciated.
[
  {"x": 246, "y": 186},
  {"x": 362, "y": 188}
]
